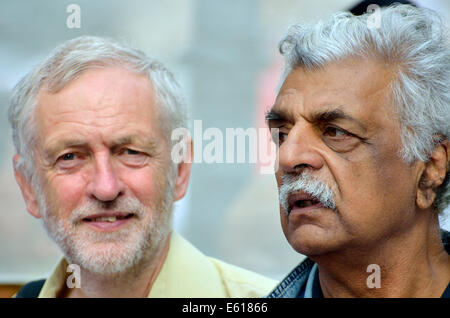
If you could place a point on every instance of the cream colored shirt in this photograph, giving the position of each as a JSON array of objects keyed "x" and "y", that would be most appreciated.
[{"x": 186, "y": 273}]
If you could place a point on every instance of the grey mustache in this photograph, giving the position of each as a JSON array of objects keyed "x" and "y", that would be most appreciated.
[
  {"x": 309, "y": 184},
  {"x": 129, "y": 204}
]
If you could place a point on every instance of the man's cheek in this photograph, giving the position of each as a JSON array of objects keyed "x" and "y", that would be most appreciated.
[
  {"x": 146, "y": 186},
  {"x": 65, "y": 196},
  {"x": 278, "y": 178}
]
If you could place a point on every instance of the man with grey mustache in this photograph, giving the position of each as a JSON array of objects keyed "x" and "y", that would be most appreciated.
[{"x": 363, "y": 117}]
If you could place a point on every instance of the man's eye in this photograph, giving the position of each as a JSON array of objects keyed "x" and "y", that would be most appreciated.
[
  {"x": 68, "y": 156},
  {"x": 277, "y": 135},
  {"x": 282, "y": 137},
  {"x": 69, "y": 160},
  {"x": 133, "y": 157},
  {"x": 131, "y": 152},
  {"x": 335, "y": 132}
]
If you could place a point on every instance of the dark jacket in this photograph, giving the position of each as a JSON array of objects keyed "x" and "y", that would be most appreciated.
[{"x": 303, "y": 281}]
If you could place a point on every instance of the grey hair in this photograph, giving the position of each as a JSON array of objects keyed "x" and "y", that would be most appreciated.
[
  {"x": 65, "y": 64},
  {"x": 307, "y": 183},
  {"x": 413, "y": 40}
]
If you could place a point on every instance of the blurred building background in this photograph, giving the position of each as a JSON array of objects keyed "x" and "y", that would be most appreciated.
[{"x": 224, "y": 53}]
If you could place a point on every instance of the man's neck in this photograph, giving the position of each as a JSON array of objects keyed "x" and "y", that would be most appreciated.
[
  {"x": 411, "y": 264},
  {"x": 135, "y": 283}
]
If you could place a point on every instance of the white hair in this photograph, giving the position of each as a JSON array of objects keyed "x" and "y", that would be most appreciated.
[
  {"x": 415, "y": 42},
  {"x": 65, "y": 64}
]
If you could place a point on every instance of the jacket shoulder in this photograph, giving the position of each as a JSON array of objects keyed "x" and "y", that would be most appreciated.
[
  {"x": 242, "y": 283},
  {"x": 31, "y": 289}
]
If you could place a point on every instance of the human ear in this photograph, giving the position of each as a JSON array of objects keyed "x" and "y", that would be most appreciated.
[
  {"x": 184, "y": 171},
  {"x": 433, "y": 175},
  {"x": 28, "y": 193}
]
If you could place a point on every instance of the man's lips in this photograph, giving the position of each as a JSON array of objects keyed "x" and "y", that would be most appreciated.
[
  {"x": 303, "y": 201},
  {"x": 108, "y": 221},
  {"x": 107, "y": 217}
]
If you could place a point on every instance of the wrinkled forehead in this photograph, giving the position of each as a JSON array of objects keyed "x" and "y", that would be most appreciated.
[
  {"x": 358, "y": 87},
  {"x": 96, "y": 90},
  {"x": 105, "y": 100}
]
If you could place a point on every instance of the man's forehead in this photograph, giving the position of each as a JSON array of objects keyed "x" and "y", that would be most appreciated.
[
  {"x": 123, "y": 100},
  {"x": 360, "y": 89},
  {"x": 94, "y": 89}
]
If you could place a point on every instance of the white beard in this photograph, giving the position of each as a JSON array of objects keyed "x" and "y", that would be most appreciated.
[{"x": 111, "y": 253}]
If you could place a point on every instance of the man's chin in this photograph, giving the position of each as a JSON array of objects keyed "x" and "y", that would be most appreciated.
[
  {"x": 108, "y": 252},
  {"x": 105, "y": 258},
  {"x": 313, "y": 241}
]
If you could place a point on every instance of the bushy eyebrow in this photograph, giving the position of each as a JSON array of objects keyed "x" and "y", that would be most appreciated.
[
  {"x": 276, "y": 115},
  {"x": 319, "y": 117},
  {"x": 55, "y": 147},
  {"x": 147, "y": 143},
  {"x": 335, "y": 114}
]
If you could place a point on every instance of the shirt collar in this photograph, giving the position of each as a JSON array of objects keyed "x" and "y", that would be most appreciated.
[
  {"x": 198, "y": 277},
  {"x": 170, "y": 282}
]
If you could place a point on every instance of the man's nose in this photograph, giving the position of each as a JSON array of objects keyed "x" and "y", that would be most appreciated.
[
  {"x": 300, "y": 150},
  {"x": 105, "y": 184}
]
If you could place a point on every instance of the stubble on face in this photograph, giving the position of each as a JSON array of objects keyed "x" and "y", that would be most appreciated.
[
  {"x": 106, "y": 119},
  {"x": 111, "y": 253}
]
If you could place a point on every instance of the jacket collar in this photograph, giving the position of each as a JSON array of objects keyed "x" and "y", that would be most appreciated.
[{"x": 291, "y": 285}]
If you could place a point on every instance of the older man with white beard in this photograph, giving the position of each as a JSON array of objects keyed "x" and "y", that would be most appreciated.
[
  {"x": 92, "y": 127},
  {"x": 363, "y": 118}
]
